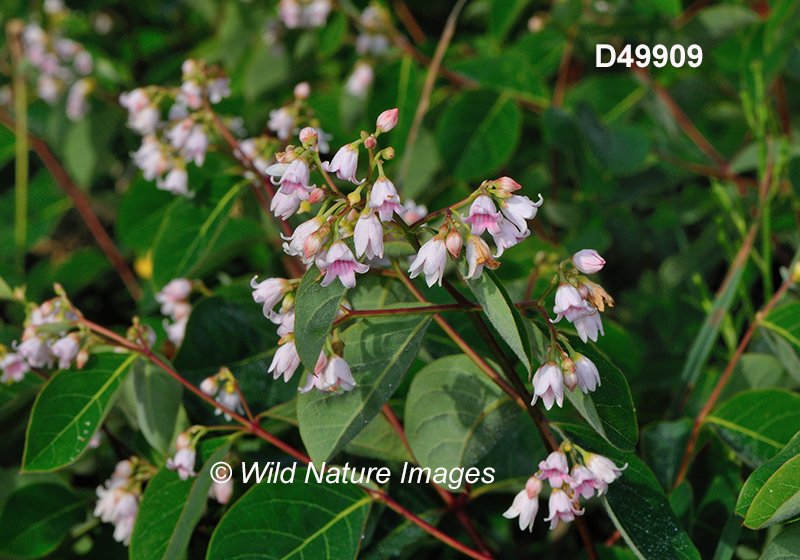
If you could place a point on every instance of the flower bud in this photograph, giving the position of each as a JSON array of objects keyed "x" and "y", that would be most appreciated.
[
  {"x": 370, "y": 143},
  {"x": 317, "y": 195},
  {"x": 82, "y": 358},
  {"x": 353, "y": 198},
  {"x": 453, "y": 242},
  {"x": 308, "y": 136},
  {"x": 312, "y": 245},
  {"x": 209, "y": 386},
  {"x": 388, "y": 153},
  {"x": 184, "y": 441},
  {"x": 570, "y": 379},
  {"x": 305, "y": 206},
  {"x": 302, "y": 90},
  {"x": 387, "y": 120},
  {"x": 507, "y": 184},
  {"x": 588, "y": 261}
]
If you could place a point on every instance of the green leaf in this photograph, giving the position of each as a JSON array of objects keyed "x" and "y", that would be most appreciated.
[
  {"x": 192, "y": 240},
  {"x": 141, "y": 212},
  {"x": 778, "y": 500},
  {"x": 158, "y": 399},
  {"x": 755, "y": 482},
  {"x": 298, "y": 520},
  {"x": 785, "y": 320},
  {"x": 784, "y": 546},
  {"x": 637, "y": 505},
  {"x": 379, "y": 351},
  {"x": 70, "y": 408},
  {"x": 504, "y": 316},
  {"x": 80, "y": 157},
  {"x": 662, "y": 448},
  {"x": 479, "y": 133},
  {"x": 609, "y": 409},
  {"x": 314, "y": 315},
  {"x": 379, "y": 440},
  {"x": 757, "y": 424},
  {"x": 171, "y": 507},
  {"x": 455, "y": 414},
  {"x": 36, "y": 518},
  {"x": 503, "y": 15},
  {"x": 620, "y": 149},
  {"x": 332, "y": 35},
  {"x": 5, "y": 290}
]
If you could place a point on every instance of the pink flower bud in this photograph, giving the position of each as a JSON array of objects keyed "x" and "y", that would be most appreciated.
[
  {"x": 588, "y": 261},
  {"x": 209, "y": 386},
  {"x": 312, "y": 245},
  {"x": 387, "y": 120},
  {"x": 308, "y": 136},
  {"x": 302, "y": 90},
  {"x": 370, "y": 143},
  {"x": 570, "y": 380},
  {"x": 317, "y": 195},
  {"x": 454, "y": 243},
  {"x": 184, "y": 440},
  {"x": 508, "y": 184},
  {"x": 82, "y": 358}
]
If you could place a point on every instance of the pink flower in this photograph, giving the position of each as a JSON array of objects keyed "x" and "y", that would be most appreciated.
[
  {"x": 483, "y": 216},
  {"x": 308, "y": 136},
  {"x": 150, "y": 158},
  {"x": 281, "y": 122},
  {"x": 368, "y": 236},
  {"x": 77, "y": 105},
  {"x": 143, "y": 116},
  {"x": 526, "y": 504},
  {"x": 218, "y": 89},
  {"x": 285, "y": 362},
  {"x": 209, "y": 386},
  {"x": 555, "y": 469},
  {"x": 180, "y": 132},
  {"x": 221, "y": 491},
  {"x": 431, "y": 260},
  {"x": 337, "y": 375},
  {"x": 603, "y": 468},
  {"x": 302, "y": 90},
  {"x": 66, "y": 349},
  {"x": 269, "y": 292},
  {"x": 284, "y": 205},
  {"x": 176, "y": 182},
  {"x": 344, "y": 164},
  {"x": 561, "y": 507},
  {"x": 413, "y": 212},
  {"x": 176, "y": 290},
  {"x": 453, "y": 242},
  {"x": 294, "y": 180},
  {"x": 587, "y": 374},
  {"x": 339, "y": 262},
  {"x": 183, "y": 462},
  {"x": 196, "y": 146},
  {"x": 14, "y": 367},
  {"x": 359, "y": 81},
  {"x": 387, "y": 120},
  {"x": 478, "y": 256},
  {"x": 285, "y": 323},
  {"x": 507, "y": 236},
  {"x": 588, "y": 261},
  {"x": 570, "y": 304},
  {"x": 36, "y": 352},
  {"x": 507, "y": 184},
  {"x": 548, "y": 383},
  {"x": 384, "y": 199},
  {"x": 177, "y": 330},
  {"x": 583, "y": 482},
  {"x": 518, "y": 209}
]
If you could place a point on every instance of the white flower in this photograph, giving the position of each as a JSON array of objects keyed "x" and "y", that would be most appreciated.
[
  {"x": 548, "y": 383},
  {"x": 588, "y": 261},
  {"x": 339, "y": 262},
  {"x": 191, "y": 93},
  {"x": 526, "y": 504},
  {"x": 294, "y": 245},
  {"x": 48, "y": 88},
  {"x": 218, "y": 89},
  {"x": 294, "y": 180},
  {"x": 285, "y": 322},
  {"x": 116, "y": 504},
  {"x": 483, "y": 216},
  {"x": 431, "y": 260},
  {"x": 359, "y": 81},
  {"x": 77, "y": 106},
  {"x": 507, "y": 236},
  {"x": 583, "y": 482},
  {"x": 587, "y": 374},
  {"x": 413, "y": 211},
  {"x": 36, "y": 352},
  {"x": 176, "y": 182},
  {"x": 561, "y": 507},
  {"x": 230, "y": 399},
  {"x": 196, "y": 145},
  {"x": 14, "y": 367},
  {"x": 209, "y": 386},
  {"x": 478, "y": 256},
  {"x": 281, "y": 122},
  {"x": 518, "y": 209},
  {"x": 285, "y": 362},
  {"x": 368, "y": 236},
  {"x": 344, "y": 164},
  {"x": 269, "y": 292},
  {"x": 284, "y": 205},
  {"x": 555, "y": 469},
  {"x": 603, "y": 468},
  {"x": 66, "y": 349},
  {"x": 384, "y": 199},
  {"x": 176, "y": 290},
  {"x": 183, "y": 462},
  {"x": 83, "y": 63},
  {"x": 177, "y": 330},
  {"x": 221, "y": 491},
  {"x": 150, "y": 158}
]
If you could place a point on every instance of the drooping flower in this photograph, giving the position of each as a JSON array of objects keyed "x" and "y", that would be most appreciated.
[
  {"x": 337, "y": 375},
  {"x": 77, "y": 104},
  {"x": 562, "y": 508},
  {"x": 431, "y": 260},
  {"x": 281, "y": 122},
  {"x": 478, "y": 256},
  {"x": 196, "y": 145},
  {"x": 175, "y": 291},
  {"x": 36, "y": 352},
  {"x": 603, "y": 468},
  {"x": 344, "y": 164},
  {"x": 209, "y": 386},
  {"x": 150, "y": 158},
  {"x": 269, "y": 292},
  {"x": 548, "y": 383},
  {"x": 117, "y": 503},
  {"x": 583, "y": 482},
  {"x": 294, "y": 245},
  {"x": 588, "y": 261},
  {"x": 368, "y": 236},
  {"x": 183, "y": 462},
  {"x": 176, "y": 331},
  {"x": 507, "y": 236},
  {"x": 294, "y": 180},
  {"x": 453, "y": 242},
  {"x": 230, "y": 399},
  {"x": 218, "y": 89},
  {"x": 555, "y": 469},
  {"x": 14, "y": 367},
  {"x": 339, "y": 262},
  {"x": 285, "y": 361},
  {"x": 384, "y": 199},
  {"x": 526, "y": 504},
  {"x": 176, "y": 182},
  {"x": 359, "y": 81},
  {"x": 518, "y": 209},
  {"x": 483, "y": 216},
  {"x": 66, "y": 350},
  {"x": 284, "y": 205},
  {"x": 221, "y": 491},
  {"x": 587, "y": 374},
  {"x": 143, "y": 116},
  {"x": 285, "y": 322},
  {"x": 570, "y": 304},
  {"x": 413, "y": 211}
]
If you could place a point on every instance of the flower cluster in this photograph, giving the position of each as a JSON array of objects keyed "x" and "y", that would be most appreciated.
[
  {"x": 44, "y": 348},
  {"x": 304, "y": 14},
  {"x": 174, "y": 300},
  {"x": 590, "y": 473},
  {"x": 167, "y": 146},
  {"x": 61, "y": 64},
  {"x": 551, "y": 378},
  {"x": 287, "y": 120},
  {"x": 118, "y": 499},
  {"x": 184, "y": 460},
  {"x": 580, "y": 300},
  {"x": 222, "y": 386}
]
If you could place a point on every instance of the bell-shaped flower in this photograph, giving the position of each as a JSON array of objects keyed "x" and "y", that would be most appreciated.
[
  {"x": 209, "y": 386},
  {"x": 570, "y": 304},
  {"x": 221, "y": 491},
  {"x": 285, "y": 322},
  {"x": 431, "y": 260},
  {"x": 176, "y": 182},
  {"x": 359, "y": 81},
  {"x": 548, "y": 383},
  {"x": 337, "y": 375},
  {"x": 183, "y": 462},
  {"x": 66, "y": 350},
  {"x": 344, "y": 164},
  {"x": 294, "y": 179},
  {"x": 269, "y": 292},
  {"x": 562, "y": 508},
  {"x": 14, "y": 367},
  {"x": 284, "y": 205},
  {"x": 281, "y": 122},
  {"x": 478, "y": 256},
  {"x": 587, "y": 374},
  {"x": 583, "y": 482},
  {"x": 413, "y": 212},
  {"x": 229, "y": 398},
  {"x": 526, "y": 504},
  {"x": 339, "y": 262},
  {"x": 36, "y": 352},
  {"x": 196, "y": 145},
  {"x": 603, "y": 468},
  {"x": 555, "y": 469},
  {"x": 177, "y": 290},
  {"x": 285, "y": 362},
  {"x": 483, "y": 216},
  {"x": 518, "y": 209},
  {"x": 368, "y": 236},
  {"x": 384, "y": 199},
  {"x": 507, "y": 236}
]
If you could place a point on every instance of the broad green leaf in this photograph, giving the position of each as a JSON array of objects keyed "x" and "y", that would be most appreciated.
[
  {"x": 80, "y": 156},
  {"x": 757, "y": 424},
  {"x": 36, "y": 518},
  {"x": 663, "y": 444},
  {"x": 455, "y": 414},
  {"x": 784, "y": 546},
  {"x": 314, "y": 315},
  {"x": 503, "y": 15},
  {"x": 637, "y": 505},
  {"x": 609, "y": 409},
  {"x": 5, "y": 290},
  {"x": 503, "y": 315},
  {"x": 379, "y": 351},
  {"x": 379, "y": 440},
  {"x": 621, "y": 149},
  {"x": 158, "y": 398},
  {"x": 778, "y": 500},
  {"x": 401, "y": 537},
  {"x": 192, "y": 239},
  {"x": 785, "y": 320},
  {"x": 755, "y": 482},
  {"x": 479, "y": 133},
  {"x": 332, "y": 35},
  {"x": 297, "y": 520},
  {"x": 69, "y": 410},
  {"x": 141, "y": 212},
  {"x": 171, "y": 507}
]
